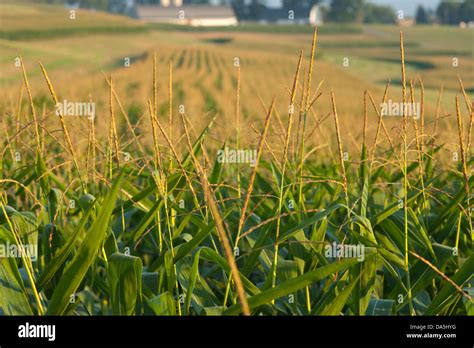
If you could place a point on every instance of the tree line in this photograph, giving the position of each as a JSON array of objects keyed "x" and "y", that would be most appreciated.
[
  {"x": 447, "y": 12},
  {"x": 450, "y": 12}
]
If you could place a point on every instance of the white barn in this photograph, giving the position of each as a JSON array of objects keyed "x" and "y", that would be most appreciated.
[{"x": 194, "y": 15}]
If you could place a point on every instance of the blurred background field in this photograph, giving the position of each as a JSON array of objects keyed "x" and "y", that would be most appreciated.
[{"x": 76, "y": 52}]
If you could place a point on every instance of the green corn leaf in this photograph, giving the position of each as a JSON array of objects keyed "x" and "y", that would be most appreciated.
[
  {"x": 124, "y": 274},
  {"x": 444, "y": 297},
  {"x": 337, "y": 304},
  {"x": 85, "y": 256},
  {"x": 380, "y": 307},
  {"x": 293, "y": 285},
  {"x": 163, "y": 304}
]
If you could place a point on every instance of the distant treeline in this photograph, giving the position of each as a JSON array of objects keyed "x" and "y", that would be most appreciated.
[
  {"x": 448, "y": 12},
  {"x": 347, "y": 11}
]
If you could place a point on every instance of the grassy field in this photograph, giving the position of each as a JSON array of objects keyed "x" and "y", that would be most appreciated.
[{"x": 135, "y": 214}]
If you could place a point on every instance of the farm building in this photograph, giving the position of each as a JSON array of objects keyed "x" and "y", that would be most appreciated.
[
  {"x": 299, "y": 14},
  {"x": 194, "y": 15}
]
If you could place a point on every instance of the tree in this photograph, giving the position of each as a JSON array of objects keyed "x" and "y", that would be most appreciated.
[
  {"x": 346, "y": 10},
  {"x": 466, "y": 11},
  {"x": 421, "y": 16},
  {"x": 448, "y": 12},
  {"x": 379, "y": 14}
]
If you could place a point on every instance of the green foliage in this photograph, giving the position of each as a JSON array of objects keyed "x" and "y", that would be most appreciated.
[
  {"x": 86, "y": 258},
  {"x": 346, "y": 10},
  {"x": 140, "y": 242},
  {"x": 453, "y": 12},
  {"x": 125, "y": 282},
  {"x": 378, "y": 14},
  {"x": 421, "y": 16}
]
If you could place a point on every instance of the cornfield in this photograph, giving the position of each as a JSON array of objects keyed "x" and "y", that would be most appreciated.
[{"x": 125, "y": 226}]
